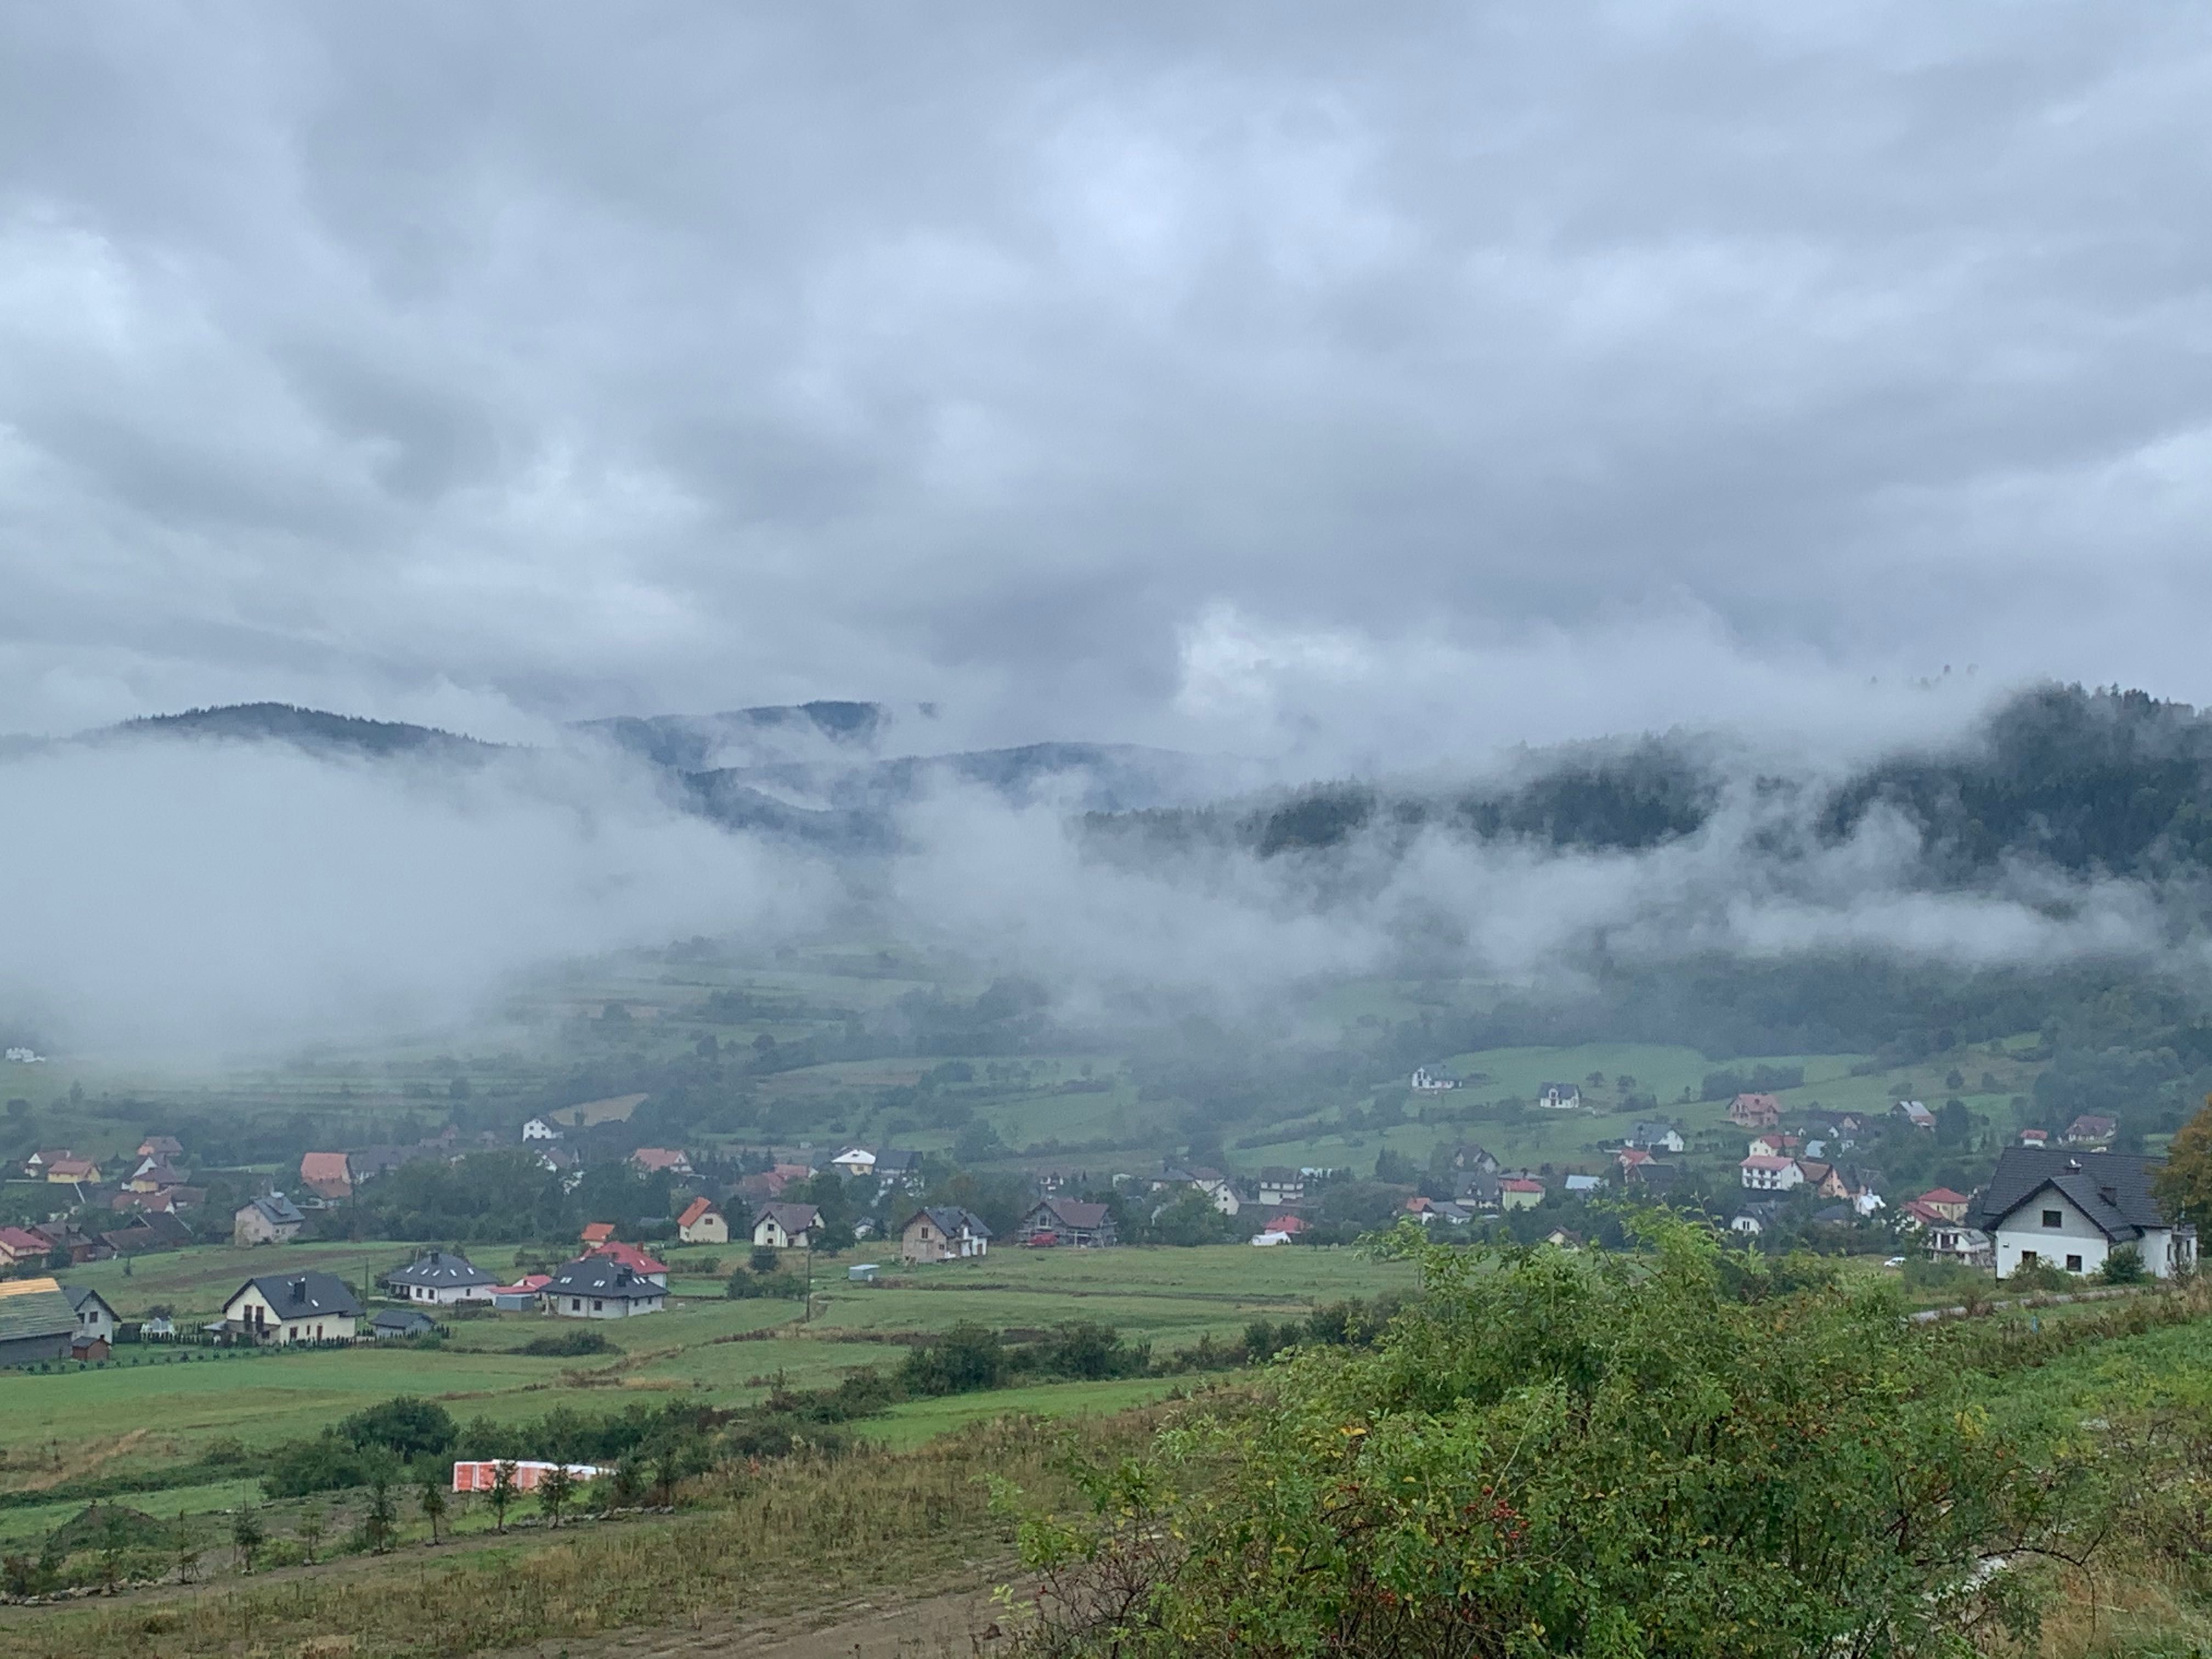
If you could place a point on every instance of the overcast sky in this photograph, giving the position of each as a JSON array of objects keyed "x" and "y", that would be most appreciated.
[{"x": 1230, "y": 376}]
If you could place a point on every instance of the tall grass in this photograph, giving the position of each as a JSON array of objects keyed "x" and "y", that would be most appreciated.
[{"x": 761, "y": 1540}]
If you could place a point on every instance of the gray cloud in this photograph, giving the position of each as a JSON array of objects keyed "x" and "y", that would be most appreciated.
[{"x": 1320, "y": 380}]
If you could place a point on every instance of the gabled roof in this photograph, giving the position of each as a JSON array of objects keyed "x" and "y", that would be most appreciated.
[
  {"x": 2113, "y": 1189},
  {"x": 792, "y": 1218},
  {"x": 695, "y": 1209},
  {"x": 1767, "y": 1162},
  {"x": 320, "y": 1169},
  {"x": 20, "y": 1240},
  {"x": 1071, "y": 1212},
  {"x": 598, "y": 1232},
  {"x": 603, "y": 1277},
  {"x": 78, "y": 1295},
  {"x": 1941, "y": 1195},
  {"x": 402, "y": 1319},
  {"x": 277, "y": 1210},
  {"x": 34, "y": 1307},
  {"x": 949, "y": 1219},
  {"x": 440, "y": 1270},
  {"x": 630, "y": 1256},
  {"x": 1520, "y": 1184},
  {"x": 302, "y": 1295}
]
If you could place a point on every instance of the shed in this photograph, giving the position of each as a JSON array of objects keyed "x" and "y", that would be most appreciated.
[
  {"x": 36, "y": 1321},
  {"x": 862, "y": 1273}
]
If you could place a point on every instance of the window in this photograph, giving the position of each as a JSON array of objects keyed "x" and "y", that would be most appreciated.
[
  {"x": 2073, "y": 1264},
  {"x": 575, "y": 1305},
  {"x": 2054, "y": 1217},
  {"x": 2027, "y": 1258},
  {"x": 597, "y": 1306}
]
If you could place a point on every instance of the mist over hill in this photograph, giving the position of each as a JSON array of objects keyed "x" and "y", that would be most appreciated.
[{"x": 352, "y": 871}]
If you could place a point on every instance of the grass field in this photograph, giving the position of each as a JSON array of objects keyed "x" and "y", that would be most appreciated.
[{"x": 153, "y": 1406}]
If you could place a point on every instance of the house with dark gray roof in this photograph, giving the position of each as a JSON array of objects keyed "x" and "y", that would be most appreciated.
[
  {"x": 600, "y": 1287},
  {"x": 440, "y": 1278},
  {"x": 2074, "y": 1209},
  {"x": 95, "y": 1320},
  {"x": 284, "y": 1309}
]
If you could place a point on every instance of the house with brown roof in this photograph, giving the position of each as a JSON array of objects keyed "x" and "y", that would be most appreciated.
[
  {"x": 1056, "y": 1220},
  {"x": 598, "y": 1232},
  {"x": 1755, "y": 1111},
  {"x": 702, "y": 1223},
  {"x": 73, "y": 1171},
  {"x": 660, "y": 1160},
  {"x": 328, "y": 1176},
  {"x": 2091, "y": 1129}
]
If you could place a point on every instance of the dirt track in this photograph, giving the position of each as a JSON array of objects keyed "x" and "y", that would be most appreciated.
[{"x": 958, "y": 1625}]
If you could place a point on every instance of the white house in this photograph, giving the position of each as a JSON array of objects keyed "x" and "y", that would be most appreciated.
[
  {"x": 2048, "y": 1204},
  {"x": 785, "y": 1226},
  {"x": 1657, "y": 1137},
  {"x": 1426, "y": 1082},
  {"x": 1558, "y": 1097},
  {"x": 442, "y": 1278},
  {"x": 855, "y": 1161},
  {"x": 1770, "y": 1175},
  {"x": 538, "y": 1129},
  {"x": 285, "y": 1308},
  {"x": 95, "y": 1320},
  {"x": 600, "y": 1287}
]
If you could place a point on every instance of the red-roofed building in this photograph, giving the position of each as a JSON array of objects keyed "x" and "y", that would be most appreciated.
[
  {"x": 326, "y": 1175},
  {"x": 1520, "y": 1192},
  {"x": 598, "y": 1232},
  {"x": 1290, "y": 1225},
  {"x": 660, "y": 1160},
  {"x": 702, "y": 1223},
  {"x": 2035, "y": 1137},
  {"x": 1950, "y": 1205},
  {"x": 633, "y": 1258},
  {"x": 1755, "y": 1111},
  {"x": 19, "y": 1244}
]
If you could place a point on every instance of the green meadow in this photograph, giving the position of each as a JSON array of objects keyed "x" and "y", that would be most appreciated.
[{"x": 153, "y": 1406}]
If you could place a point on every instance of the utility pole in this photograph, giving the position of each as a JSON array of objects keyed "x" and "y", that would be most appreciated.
[{"x": 808, "y": 1318}]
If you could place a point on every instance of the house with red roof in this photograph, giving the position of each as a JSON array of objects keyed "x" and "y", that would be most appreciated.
[
  {"x": 1950, "y": 1205},
  {"x": 1756, "y": 1111},
  {"x": 660, "y": 1160},
  {"x": 598, "y": 1232},
  {"x": 20, "y": 1244},
  {"x": 326, "y": 1175},
  {"x": 633, "y": 1259},
  {"x": 702, "y": 1223},
  {"x": 1520, "y": 1192}
]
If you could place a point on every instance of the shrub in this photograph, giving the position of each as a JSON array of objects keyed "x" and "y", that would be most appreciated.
[
  {"x": 404, "y": 1425},
  {"x": 571, "y": 1343},
  {"x": 2123, "y": 1267},
  {"x": 966, "y": 1357},
  {"x": 1594, "y": 1453}
]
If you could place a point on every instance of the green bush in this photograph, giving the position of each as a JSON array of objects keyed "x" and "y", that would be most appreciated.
[
  {"x": 570, "y": 1344},
  {"x": 2123, "y": 1267},
  {"x": 1600, "y": 1453}
]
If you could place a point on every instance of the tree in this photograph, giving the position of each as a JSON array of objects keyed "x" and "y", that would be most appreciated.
[
  {"x": 433, "y": 1500},
  {"x": 186, "y": 1549},
  {"x": 667, "y": 1470},
  {"x": 555, "y": 1488},
  {"x": 245, "y": 1535},
  {"x": 2184, "y": 1185},
  {"x": 404, "y": 1425},
  {"x": 503, "y": 1490},
  {"x": 379, "y": 1521},
  {"x": 310, "y": 1532}
]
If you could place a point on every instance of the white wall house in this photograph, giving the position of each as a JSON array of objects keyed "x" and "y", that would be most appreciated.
[
  {"x": 538, "y": 1129},
  {"x": 2051, "y": 1204},
  {"x": 442, "y": 1278},
  {"x": 1770, "y": 1175}
]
